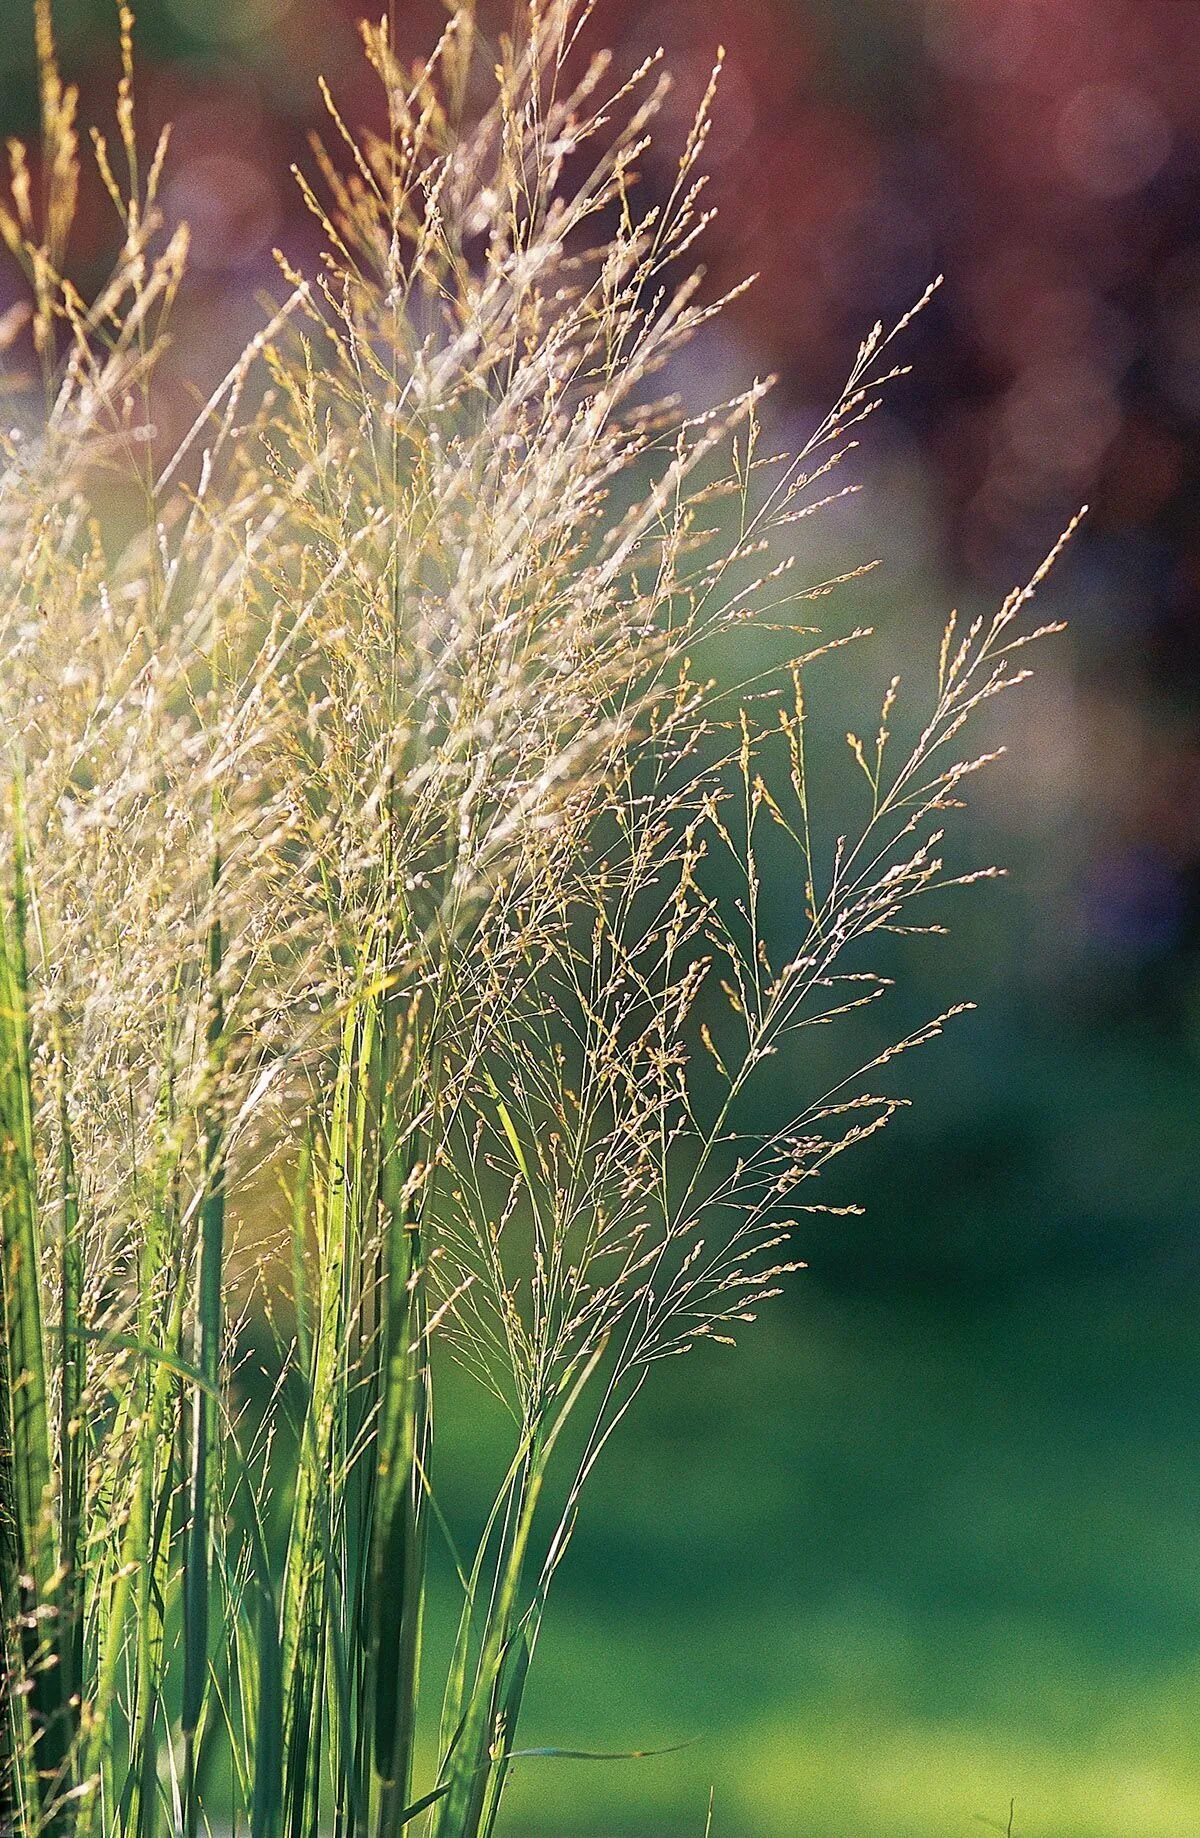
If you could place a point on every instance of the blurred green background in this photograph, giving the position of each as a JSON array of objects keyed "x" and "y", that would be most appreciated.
[{"x": 928, "y": 1545}]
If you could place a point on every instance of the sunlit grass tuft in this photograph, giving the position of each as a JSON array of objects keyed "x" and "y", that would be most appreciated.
[{"x": 389, "y": 819}]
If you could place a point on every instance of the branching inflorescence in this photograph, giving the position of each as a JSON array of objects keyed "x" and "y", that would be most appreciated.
[{"x": 392, "y": 815}]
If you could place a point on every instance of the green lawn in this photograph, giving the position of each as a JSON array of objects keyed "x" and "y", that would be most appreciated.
[{"x": 891, "y": 1567}]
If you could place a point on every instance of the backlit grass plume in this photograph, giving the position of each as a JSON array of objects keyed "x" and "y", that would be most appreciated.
[{"x": 385, "y": 823}]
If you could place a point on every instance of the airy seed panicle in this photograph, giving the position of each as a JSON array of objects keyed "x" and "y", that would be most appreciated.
[{"x": 390, "y": 954}]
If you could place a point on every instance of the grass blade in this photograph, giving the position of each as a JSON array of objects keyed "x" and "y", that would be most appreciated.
[
  {"x": 40, "y": 1717},
  {"x": 197, "y": 1560}
]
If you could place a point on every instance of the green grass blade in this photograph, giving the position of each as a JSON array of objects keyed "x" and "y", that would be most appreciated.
[
  {"x": 72, "y": 1368},
  {"x": 397, "y": 1551},
  {"x": 197, "y": 1558},
  {"x": 42, "y": 1732},
  {"x": 155, "y": 1483},
  {"x": 308, "y": 1633},
  {"x": 476, "y": 1760}
]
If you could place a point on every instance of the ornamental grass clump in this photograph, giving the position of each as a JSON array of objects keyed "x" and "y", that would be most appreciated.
[{"x": 392, "y": 818}]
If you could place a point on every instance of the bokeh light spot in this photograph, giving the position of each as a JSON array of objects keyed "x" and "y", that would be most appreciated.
[
  {"x": 989, "y": 40},
  {"x": 230, "y": 21},
  {"x": 230, "y": 206},
  {"x": 1111, "y": 139}
]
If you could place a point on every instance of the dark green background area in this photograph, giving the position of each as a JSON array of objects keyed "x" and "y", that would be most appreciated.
[{"x": 928, "y": 1543}]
